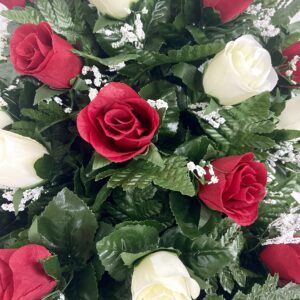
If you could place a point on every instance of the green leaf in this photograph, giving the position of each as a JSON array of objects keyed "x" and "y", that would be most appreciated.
[
  {"x": 187, "y": 214},
  {"x": 102, "y": 22},
  {"x": 66, "y": 227},
  {"x": 152, "y": 155},
  {"x": 101, "y": 197},
  {"x": 18, "y": 195},
  {"x": 226, "y": 280},
  {"x": 129, "y": 239},
  {"x": 99, "y": 162},
  {"x": 84, "y": 285},
  {"x": 287, "y": 11},
  {"x": 44, "y": 92},
  {"x": 24, "y": 15},
  {"x": 51, "y": 266}
]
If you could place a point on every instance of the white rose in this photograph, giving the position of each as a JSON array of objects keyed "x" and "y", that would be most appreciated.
[
  {"x": 5, "y": 119},
  {"x": 242, "y": 70},
  {"x": 17, "y": 157},
  {"x": 290, "y": 117},
  {"x": 162, "y": 275},
  {"x": 118, "y": 9}
]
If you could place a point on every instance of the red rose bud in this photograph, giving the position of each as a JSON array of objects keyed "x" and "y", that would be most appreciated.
[
  {"x": 118, "y": 123},
  {"x": 241, "y": 186},
  {"x": 22, "y": 275},
  {"x": 291, "y": 52},
  {"x": 284, "y": 260},
  {"x": 228, "y": 9},
  {"x": 36, "y": 51},
  {"x": 10, "y": 4}
]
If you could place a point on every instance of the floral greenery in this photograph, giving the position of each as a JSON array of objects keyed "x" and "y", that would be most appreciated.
[{"x": 99, "y": 217}]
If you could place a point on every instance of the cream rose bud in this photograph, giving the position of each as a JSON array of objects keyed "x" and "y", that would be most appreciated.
[
  {"x": 18, "y": 155},
  {"x": 162, "y": 275},
  {"x": 118, "y": 9},
  {"x": 290, "y": 117},
  {"x": 5, "y": 119},
  {"x": 240, "y": 71}
]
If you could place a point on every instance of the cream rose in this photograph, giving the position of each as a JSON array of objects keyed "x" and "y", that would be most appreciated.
[
  {"x": 162, "y": 275},
  {"x": 118, "y": 9},
  {"x": 290, "y": 117},
  {"x": 17, "y": 157},
  {"x": 240, "y": 71},
  {"x": 5, "y": 119}
]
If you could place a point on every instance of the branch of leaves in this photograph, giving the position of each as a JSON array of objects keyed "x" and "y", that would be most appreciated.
[{"x": 167, "y": 172}]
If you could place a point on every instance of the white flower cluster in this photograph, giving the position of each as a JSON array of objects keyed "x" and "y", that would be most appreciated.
[
  {"x": 133, "y": 34},
  {"x": 158, "y": 104},
  {"x": 28, "y": 196},
  {"x": 59, "y": 101},
  {"x": 285, "y": 152},
  {"x": 95, "y": 83},
  {"x": 199, "y": 171},
  {"x": 264, "y": 20},
  {"x": 61, "y": 297},
  {"x": 293, "y": 67},
  {"x": 213, "y": 118}
]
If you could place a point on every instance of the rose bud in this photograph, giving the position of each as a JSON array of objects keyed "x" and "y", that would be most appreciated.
[
  {"x": 22, "y": 275},
  {"x": 117, "y": 9},
  {"x": 240, "y": 71},
  {"x": 240, "y": 188},
  {"x": 162, "y": 275},
  {"x": 228, "y": 9},
  {"x": 118, "y": 123},
  {"x": 17, "y": 158},
  {"x": 284, "y": 260},
  {"x": 5, "y": 119},
  {"x": 36, "y": 51},
  {"x": 292, "y": 53},
  {"x": 290, "y": 117}
]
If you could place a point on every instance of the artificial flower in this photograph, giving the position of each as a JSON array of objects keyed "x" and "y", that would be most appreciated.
[
  {"x": 5, "y": 119},
  {"x": 292, "y": 53},
  {"x": 290, "y": 116}
]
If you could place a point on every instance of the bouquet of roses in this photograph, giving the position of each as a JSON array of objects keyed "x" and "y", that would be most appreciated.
[{"x": 149, "y": 149}]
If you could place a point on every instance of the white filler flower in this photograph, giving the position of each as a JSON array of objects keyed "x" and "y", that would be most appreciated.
[
  {"x": 18, "y": 155},
  {"x": 118, "y": 9},
  {"x": 240, "y": 71},
  {"x": 162, "y": 275},
  {"x": 290, "y": 117}
]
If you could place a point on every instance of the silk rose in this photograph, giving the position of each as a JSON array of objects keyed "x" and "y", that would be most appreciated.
[
  {"x": 292, "y": 53},
  {"x": 241, "y": 186},
  {"x": 17, "y": 158},
  {"x": 117, "y": 9},
  {"x": 118, "y": 123},
  {"x": 162, "y": 275},
  {"x": 242, "y": 70},
  {"x": 22, "y": 275},
  {"x": 284, "y": 260},
  {"x": 36, "y": 51},
  {"x": 290, "y": 117},
  {"x": 5, "y": 119}
]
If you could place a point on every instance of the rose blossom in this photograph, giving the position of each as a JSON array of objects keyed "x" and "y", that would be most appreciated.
[
  {"x": 240, "y": 71},
  {"x": 228, "y": 9},
  {"x": 10, "y": 4},
  {"x": 118, "y": 123},
  {"x": 290, "y": 117},
  {"x": 241, "y": 186},
  {"x": 36, "y": 51},
  {"x": 291, "y": 52},
  {"x": 162, "y": 275},
  {"x": 22, "y": 275},
  {"x": 283, "y": 259}
]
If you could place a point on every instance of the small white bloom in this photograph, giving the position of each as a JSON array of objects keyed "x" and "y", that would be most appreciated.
[
  {"x": 85, "y": 70},
  {"x": 68, "y": 110},
  {"x": 191, "y": 166}
]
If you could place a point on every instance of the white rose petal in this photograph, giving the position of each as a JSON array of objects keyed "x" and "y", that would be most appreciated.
[
  {"x": 118, "y": 9},
  {"x": 242, "y": 70},
  {"x": 5, "y": 119},
  {"x": 18, "y": 155},
  {"x": 162, "y": 275},
  {"x": 290, "y": 117}
]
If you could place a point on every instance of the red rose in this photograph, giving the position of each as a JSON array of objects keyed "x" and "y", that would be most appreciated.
[
  {"x": 241, "y": 186},
  {"x": 10, "y": 4},
  {"x": 22, "y": 275},
  {"x": 283, "y": 259},
  {"x": 118, "y": 123},
  {"x": 228, "y": 9},
  {"x": 290, "y": 52},
  {"x": 36, "y": 51}
]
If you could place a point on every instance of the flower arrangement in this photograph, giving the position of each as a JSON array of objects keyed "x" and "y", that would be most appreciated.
[{"x": 149, "y": 149}]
